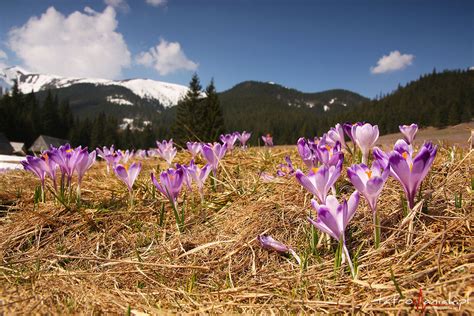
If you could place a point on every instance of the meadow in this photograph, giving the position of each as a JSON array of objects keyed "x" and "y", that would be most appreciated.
[{"x": 106, "y": 254}]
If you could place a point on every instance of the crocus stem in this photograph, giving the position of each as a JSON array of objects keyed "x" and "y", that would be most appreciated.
[
  {"x": 364, "y": 158},
  {"x": 349, "y": 261},
  {"x": 376, "y": 230},
  {"x": 43, "y": 193},
  {"x": 176, "y": 216},
  {"x": 131, "y": 197},
  {"x": 78, "y": 191}
]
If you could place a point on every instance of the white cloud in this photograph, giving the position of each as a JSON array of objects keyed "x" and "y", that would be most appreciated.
[
  {"x": 394, "y": 61},
  {"x": 166, "y": 58},
  {"x": 3, "y": 55},
  {"x": 156, "y": 3},
  {"x": 121, "y": 5},
  {"x": 81, "y": 44}
]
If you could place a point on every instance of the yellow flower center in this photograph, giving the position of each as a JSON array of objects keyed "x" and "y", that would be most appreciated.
[
  {"x": 126, "y": 167},
  {"x": 369, "y": 173},
  {"x": 70, "y": 150},
  {"x": 314, "y": 169},
  {"x": 405, "y": 156}
]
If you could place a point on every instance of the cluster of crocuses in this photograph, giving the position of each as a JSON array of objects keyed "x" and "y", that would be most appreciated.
[
  {"x": 68, "y": 160},
  {"x": 324, "y": 158}
]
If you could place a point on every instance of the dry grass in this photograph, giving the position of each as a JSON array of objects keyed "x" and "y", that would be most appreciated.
[{"x": 103, "y": 257}]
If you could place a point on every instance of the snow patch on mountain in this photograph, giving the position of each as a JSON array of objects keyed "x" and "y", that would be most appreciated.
[
  {"x": 118, "y": 99},
  {"x": 134, "y": 126}
]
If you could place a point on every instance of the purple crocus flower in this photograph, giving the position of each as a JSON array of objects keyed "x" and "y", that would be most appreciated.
[
  {"x": 37, "y": 166},
  {"x": 140, "y": 153},
  {"x": 128, "y": 175},
  {"x": 411, "y": 171},
  {"x": 199, "y": 175},
  {"x": 307, "y": 154},
  {"x": 213, "y": 153},
  {"x": 52, "y": 166},
  {"x": 126, "y": 155},
  {"x": 370, "y": 182},
  {"x": 286, "y": 169},
  {"x": 229, "y": 140},
  {"x": 381, "y": 157},
  {"x": 243, "y": 138},
  {"x": 105, "y": 151},
  {"x": 320, "y": 180},
  {"x": 347, "y": 127},
  {"x": 409, "y": 132},
  {"x": 66, "y": 158},
  {"x": 336, "y": 134},
  {"x": 84, "y": 162},
  {"x": 365, "y": 137},
  {"x": 111, "y": 156},
  {"x": 268, "y": 243},
  {"x": 268, "y": 140},
  {"x": 330, "y": 155},
  {"x": 186, "y": 176},
  {"x": 266, "y": 177},
  {"x": 166, "y": 150},
  {"x": 194, "y": 148},
  {"x": 170, "y": 184},
  {"x": 333, "y": 219}
]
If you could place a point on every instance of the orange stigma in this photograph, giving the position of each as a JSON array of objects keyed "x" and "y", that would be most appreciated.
[
  {"x": 45, "y": 156},
  {"x": 369, "y": 173},
  {"x": 70, "y": 150},
  {"x": 314, "y": 169},
  {"x": 405, "y": 155}
]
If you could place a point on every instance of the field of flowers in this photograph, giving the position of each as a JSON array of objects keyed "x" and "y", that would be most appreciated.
[{"x": 321, "y": 227}]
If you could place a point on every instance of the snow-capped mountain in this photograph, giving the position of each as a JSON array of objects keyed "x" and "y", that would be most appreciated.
[{"x": 167, "y": 94}]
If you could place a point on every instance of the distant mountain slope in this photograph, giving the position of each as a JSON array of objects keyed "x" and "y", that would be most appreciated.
[
  {"x": 437, "y": 99},
  {"x": 254, "y": 93},
  {"x": 157, "y": 92},
  {"x": 287, "y": 113}
]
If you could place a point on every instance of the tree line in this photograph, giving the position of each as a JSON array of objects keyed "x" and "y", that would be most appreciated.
[{"x": 437, "y": 99}]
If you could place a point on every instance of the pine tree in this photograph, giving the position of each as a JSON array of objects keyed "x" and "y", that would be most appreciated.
[
  {"x": 186, "y": 123},
  {"x": 212, "y": 120},
  {"x": 98, "y": 131},
  {"x": 49, "y": 116}
]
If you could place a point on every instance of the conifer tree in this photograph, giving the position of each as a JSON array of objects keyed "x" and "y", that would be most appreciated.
[
  {"x": 211, "y": 115},
  {"x": 186, "y": 123},
  {"x": 49, "y": 116}
]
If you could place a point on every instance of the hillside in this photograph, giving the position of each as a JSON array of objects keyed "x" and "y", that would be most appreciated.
[
  {"x": 286, "y": 113},
  {"x": 86, "y": 93},
  {"x": 437, "y": 99}
]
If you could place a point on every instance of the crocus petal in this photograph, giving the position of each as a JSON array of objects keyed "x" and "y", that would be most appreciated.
[
  {"x": 305, "y": 182},
  {"x": 267, "y": 242},
  {"x": 352, "y": 204},
  {"x": 133, "y": 172}
]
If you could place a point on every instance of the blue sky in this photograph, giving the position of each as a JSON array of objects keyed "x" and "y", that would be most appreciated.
[{"x": 307, "y": 45}]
